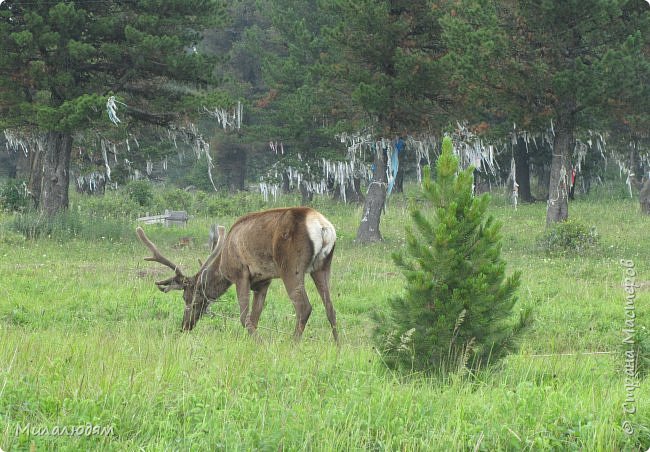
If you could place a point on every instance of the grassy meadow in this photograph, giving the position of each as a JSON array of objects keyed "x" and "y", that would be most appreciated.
[{"x": 87, "y": 340}]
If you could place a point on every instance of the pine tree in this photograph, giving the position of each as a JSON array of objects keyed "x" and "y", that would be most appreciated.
[
  {"x": 573, "y": 64},
  {"x": 381, "y": 65},
  {"x": 61, "y": 61},
  {"x": 458, "y": 302}
]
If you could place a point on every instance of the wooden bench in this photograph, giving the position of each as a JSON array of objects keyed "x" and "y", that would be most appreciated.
[{"x": 169, "y": 218}]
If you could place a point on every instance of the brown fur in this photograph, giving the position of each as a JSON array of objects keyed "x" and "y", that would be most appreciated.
[{"x": 260, "y": 247}]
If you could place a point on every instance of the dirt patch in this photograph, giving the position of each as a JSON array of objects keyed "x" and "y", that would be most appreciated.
[{"x": 149, "y": 273}]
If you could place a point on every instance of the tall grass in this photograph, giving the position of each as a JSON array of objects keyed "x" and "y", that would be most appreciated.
[
  {"x": 85, "y": 337},
  {"x": 68, "y": 225}
]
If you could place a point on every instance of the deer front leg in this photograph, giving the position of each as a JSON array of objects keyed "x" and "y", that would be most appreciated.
[
  {"x": 243, "y": 296},
  {"x": 259, "y": 295}
]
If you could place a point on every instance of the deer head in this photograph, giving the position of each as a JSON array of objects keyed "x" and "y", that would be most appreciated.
[{"x": 198, "y": 290}]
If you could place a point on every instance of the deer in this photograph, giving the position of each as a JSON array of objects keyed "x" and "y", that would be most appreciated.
[{"x": 284, "y": 243}]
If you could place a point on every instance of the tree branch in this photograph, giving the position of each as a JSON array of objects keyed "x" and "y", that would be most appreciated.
[{"x": 160, "y": 119}]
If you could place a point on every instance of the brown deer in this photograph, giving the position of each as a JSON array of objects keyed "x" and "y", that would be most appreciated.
[{"x": 282, "y": 243}]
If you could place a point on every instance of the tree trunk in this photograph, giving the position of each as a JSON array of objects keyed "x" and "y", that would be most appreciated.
[
  {"x": 55, "y": 178},
  {"x": 286, "y": 184},
  {"x": 231, "y": 163},
  {"x": 352, "y": 191},
  {"x": 636, "y": 168},
  {"x": 481, "y": 183},
  {"x": 33, "y": 166},
  {"x": 23, "y": 164},
  {"x": 8, "y": 159},
  {"x": 399, "y": 179},
  {"x": 374, "y": 204},
  {"x": 586, "y": 184},
  {"x": 307, "y": 196},
  {"x": 558, "y": 204},
  {"x": 522, "y": 170},
  {"x": 644, "y": 197}
]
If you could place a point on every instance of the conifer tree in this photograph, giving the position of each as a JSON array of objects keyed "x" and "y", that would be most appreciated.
[
  {"x": 566, "y": 64},
  {"x": 61, "y": 63},
  {"x": 381, "y": 66},
  {"x": 457, "y": 304}
]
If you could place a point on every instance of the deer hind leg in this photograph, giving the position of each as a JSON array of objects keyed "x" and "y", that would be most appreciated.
[
  {"x": 259, "y": 295},
  {"x": 295, "y": 285},
  {"x": 322, "y": 281}
]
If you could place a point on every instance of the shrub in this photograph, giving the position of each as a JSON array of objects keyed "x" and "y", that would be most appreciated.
[
  {"x": 112, "y": 204},
  {"x": 14, "y": 196},
  {"x": 9, "y": 237},
  {"x": 35, "y": 224},
  {"x": 568, "y": 236},
  {"x": 141, "y": 192},
  {"x": 175, "y": 199},
  {"x": 238, "y": 204},
  {"x": 217, "y": 206},
  {"x": 456, "y": 309},
  {"x": 198, "y": 176}
]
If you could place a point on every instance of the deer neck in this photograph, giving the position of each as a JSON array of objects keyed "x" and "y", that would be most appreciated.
[{"x": 209, "y": 280}]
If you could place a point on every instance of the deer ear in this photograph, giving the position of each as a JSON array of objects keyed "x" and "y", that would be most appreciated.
[
  {"x": 169, "y": 287},
  {"x": 173, "y": 283}
]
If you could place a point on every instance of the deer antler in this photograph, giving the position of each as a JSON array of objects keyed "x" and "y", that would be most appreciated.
[
  {"x": 220, "y": 233},
  {"x": 217, "y": 234},
  {"x": 157, "y": 257}
]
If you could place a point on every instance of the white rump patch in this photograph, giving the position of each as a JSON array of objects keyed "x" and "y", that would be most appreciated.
[{"x": 323, "y": 237}]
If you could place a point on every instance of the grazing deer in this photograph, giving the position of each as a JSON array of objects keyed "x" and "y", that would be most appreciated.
[{"x": 279, "y": 243}]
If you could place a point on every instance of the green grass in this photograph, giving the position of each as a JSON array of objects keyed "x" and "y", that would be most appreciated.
[{"x": 86, "y": 338}]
